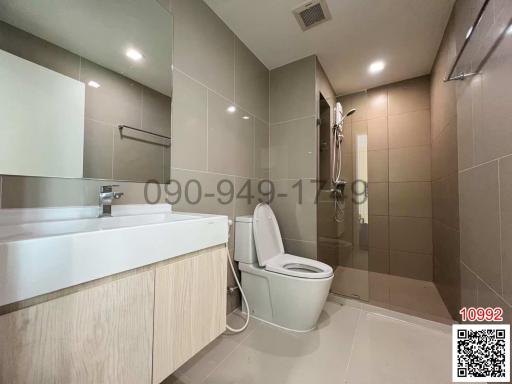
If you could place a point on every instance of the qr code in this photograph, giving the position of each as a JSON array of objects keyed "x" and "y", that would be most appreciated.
[{"x": 481, "y": 353}]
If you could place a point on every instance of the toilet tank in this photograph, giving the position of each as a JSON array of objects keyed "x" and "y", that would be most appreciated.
[{"x": 245, "y": 252}]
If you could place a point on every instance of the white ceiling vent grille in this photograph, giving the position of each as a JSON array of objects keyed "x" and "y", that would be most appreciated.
[{"x": 311, "y": 14}]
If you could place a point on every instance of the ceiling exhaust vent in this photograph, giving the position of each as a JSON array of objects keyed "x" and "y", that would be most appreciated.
[{"x": 311, "y": 14}]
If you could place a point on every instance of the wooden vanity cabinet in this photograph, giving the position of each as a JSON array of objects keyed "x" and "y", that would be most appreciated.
[
  {"x": 137, "y": 328},
  {"x": 190, "y": 308}
]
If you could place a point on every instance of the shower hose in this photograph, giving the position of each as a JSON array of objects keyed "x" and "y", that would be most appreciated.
[{"x": 234, "y": 330}]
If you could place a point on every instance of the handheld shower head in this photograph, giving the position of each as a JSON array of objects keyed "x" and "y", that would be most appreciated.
[{"x": 351, "y": 112}]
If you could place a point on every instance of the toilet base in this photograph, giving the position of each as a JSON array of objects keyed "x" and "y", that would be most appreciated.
[{"x": 288, "y": 302}]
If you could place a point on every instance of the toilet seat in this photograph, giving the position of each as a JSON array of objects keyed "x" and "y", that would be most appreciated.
[
  {"x": 296, "y": 266},
  {"x": 270, "y": 249}
]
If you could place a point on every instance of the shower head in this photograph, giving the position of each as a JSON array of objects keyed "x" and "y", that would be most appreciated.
[{"x": 351, "y": 112}]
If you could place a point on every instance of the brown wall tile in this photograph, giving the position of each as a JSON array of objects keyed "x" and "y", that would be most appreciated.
[
  {"x": 479, "y": 218},
  {"x": 412, "y": 199},
  {"x": 409, "y": 96},
  {"x": 410, "y": 234},
  {"x": 409, "y": 164},
  {"x": 413, "y": 265}
]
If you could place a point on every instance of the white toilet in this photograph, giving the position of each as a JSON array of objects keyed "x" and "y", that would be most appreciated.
[{"x": 282, "y": 289}]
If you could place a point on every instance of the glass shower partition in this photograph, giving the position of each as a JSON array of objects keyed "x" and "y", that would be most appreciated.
[{"x": 342, "y": 233}]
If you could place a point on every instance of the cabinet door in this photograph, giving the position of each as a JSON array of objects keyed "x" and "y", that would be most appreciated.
[
  {"x": 190, "y": 308},
  {"x": 99, "y": 335}
]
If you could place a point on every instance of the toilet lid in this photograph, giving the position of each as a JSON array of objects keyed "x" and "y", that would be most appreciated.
[{"x": 267, "y": 236}]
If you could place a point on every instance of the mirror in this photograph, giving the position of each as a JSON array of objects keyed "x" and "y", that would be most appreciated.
[{"x": 86, "y": 89}]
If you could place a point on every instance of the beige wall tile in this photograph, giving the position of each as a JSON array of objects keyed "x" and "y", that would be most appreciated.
[
  {"x": 261, "y": 149},
  {"x": 248, "y": 194},
  {"x": 479, "y": 218},
  {"x": 469, "y": 287},
  {"x": 378, "y": 166},
  {"x": 465, "y": 135},
  {"x": 413, "y": 265},
  {"x": 296, "y": 220},
  {"x": 409, "y": 96},
  {"x": 252, "y": 82},
  {"x": 204, "y": 47},
  {"x": 488, "y": 297},
  {"x": 292, "y": 90},
  {"x": 209, "y": 182},
  {"x": 379, "y": 232},
  {"x": 378, "y": 133},
  {"x": 445, "y": 199},
  {"x": 359, "y": 101},
  {"x": 377, "y": 102},
  {"x": 29, "y": 47},
  {"x": 301, "y": 248},
  {"x": 98, "y": 149},
  {"x": 293, "y": 149},
  {"x": 412, "y": 199},
  {"x": 347, "y": 167},
  {"x": 117, "y": 101},
  {"x": 378, "y": 199},
  {"x": 447, "y": 265},
  {"x": 409, "y": 164},
  {"x": 137, "y": 157},
  {"x": 189, "y": 123},
  {"x": 230, "y": 138},
  {"x": 33, "y": 192},
  {"x": 156, "y": 112},
  {"x": 409, "y": 129},
  {"x": 493, "y": 138},
  {"x": 347, "y": 143},
  {"x": 506, "y": 225},
  {"x": 444, "y": 153},
  {"x": 410, "y": 234}
]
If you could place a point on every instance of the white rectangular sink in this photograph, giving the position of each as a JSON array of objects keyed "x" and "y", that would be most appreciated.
[{"x": 45, "y": 250}]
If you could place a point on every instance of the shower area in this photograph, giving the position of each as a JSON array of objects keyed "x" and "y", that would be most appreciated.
[
  {"x": 342, "y": 210},
  {"x": 374, "y": 211}
]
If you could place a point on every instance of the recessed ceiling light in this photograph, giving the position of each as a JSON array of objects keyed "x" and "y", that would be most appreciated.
[
  {"x": 93, "y": 84},
  {"x": 509, "y": 30},
  {"x": 134, "y": 54},
  {"x": 231, "y": 109},
  {"x": 376, "y": 66},
  {"x": 245, "y": 117}
]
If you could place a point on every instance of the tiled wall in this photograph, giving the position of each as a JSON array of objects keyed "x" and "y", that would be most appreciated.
[
  {"x": 119, "y": 100},
  {"x": 397, "y": 119},
  {"x": 213, "y": 70},
  {"x": 293, "y": 153},
  {"x": 484, "y": 140},
  {"x": 445, "y": 193}
]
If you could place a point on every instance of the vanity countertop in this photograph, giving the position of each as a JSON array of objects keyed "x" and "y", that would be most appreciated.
[{"x": 48, "y": 249}]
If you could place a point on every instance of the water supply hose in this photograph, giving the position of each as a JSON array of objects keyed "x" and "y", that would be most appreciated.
[{"x": 239, "y": 330}]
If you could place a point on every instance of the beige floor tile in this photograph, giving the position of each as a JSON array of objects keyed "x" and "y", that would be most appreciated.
[
  {"x": 388, "y": 350},
  {"x": 274, "y": 356},
  {"x": 354, "y": 343},
  {"x": 197, "y": 369}
]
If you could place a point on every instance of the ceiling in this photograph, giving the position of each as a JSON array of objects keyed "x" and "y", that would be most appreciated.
[
  {"x": 101, "y": 31},
  {"x": 404, "y": 33}
]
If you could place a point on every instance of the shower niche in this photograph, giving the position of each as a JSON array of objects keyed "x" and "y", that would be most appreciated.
[{"x": 342, "y": 210}]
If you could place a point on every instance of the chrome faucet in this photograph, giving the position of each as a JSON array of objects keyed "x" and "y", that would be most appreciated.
[{"x": 107, "y": 195}]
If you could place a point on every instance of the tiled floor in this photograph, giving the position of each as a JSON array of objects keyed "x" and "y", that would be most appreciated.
[
  {"x": 410, "y": 296},
  {"x": 355, "y": 343}
]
